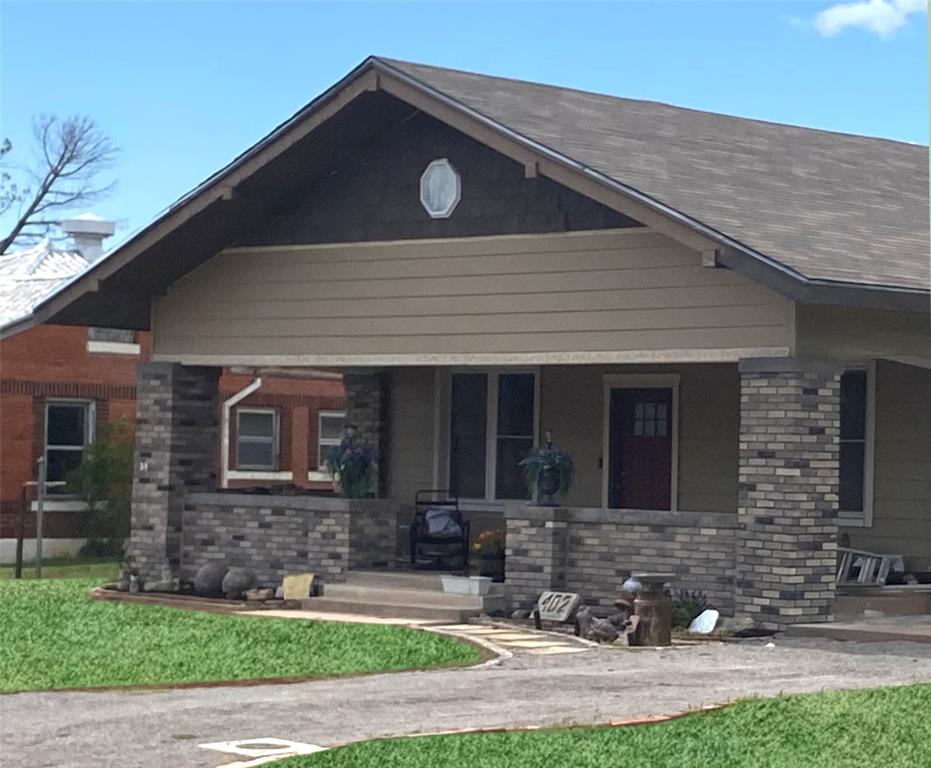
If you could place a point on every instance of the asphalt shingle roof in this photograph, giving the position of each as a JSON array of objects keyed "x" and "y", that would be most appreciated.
[{"x": 830, "y": 206}]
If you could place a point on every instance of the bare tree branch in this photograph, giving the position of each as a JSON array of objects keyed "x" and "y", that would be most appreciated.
[{"x": 71, "y": 155}]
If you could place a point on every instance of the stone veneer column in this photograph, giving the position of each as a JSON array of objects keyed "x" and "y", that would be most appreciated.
[
  {"x": 787, "y": 508},
  {"x": 367, "y": 408},
  {"x": 176, "y": 452},
  {"x": 535, "y": 554}
]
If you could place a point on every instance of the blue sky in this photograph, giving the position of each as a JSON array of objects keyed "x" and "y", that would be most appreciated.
[{"x": 183, "y": 87}]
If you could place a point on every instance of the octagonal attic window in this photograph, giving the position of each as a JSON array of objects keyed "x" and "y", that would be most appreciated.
[{"x": 440, "y": 189}]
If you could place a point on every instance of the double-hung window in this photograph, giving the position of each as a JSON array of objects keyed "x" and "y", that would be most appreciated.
[
  {"x": 856, "y": 446},
  {"x": 329, "y": 435},
  {"x": 492, "y": 426},
  {"x": 257, "y": 439},
  {"x": 69, "y": 429}
]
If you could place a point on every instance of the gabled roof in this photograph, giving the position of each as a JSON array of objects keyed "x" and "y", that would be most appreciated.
[
  {"x": 819, "y": 216},
  {"x": 32, "y": 274},
  {"x": 830, "y": 206}
]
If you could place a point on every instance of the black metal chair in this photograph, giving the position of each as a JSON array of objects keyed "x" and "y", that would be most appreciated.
[{"x": 448, "y": 551}]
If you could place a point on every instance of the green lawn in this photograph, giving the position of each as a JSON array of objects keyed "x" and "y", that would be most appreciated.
[
  {"x": 55, "y": 636},
  {"x": 888, "y": 727},
  {"x": 101, "y": 569}
]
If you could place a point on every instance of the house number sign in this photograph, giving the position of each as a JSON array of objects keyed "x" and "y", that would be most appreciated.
[{"x": 557, "y": 606}]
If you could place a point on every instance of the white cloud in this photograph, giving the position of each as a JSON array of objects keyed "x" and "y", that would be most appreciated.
[{"x": 884, "y": 17}]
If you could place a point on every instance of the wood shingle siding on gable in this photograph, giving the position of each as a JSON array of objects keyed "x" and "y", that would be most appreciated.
[
  {"x": 608, "y": 293},
  {"x": 373, "y": 192}
]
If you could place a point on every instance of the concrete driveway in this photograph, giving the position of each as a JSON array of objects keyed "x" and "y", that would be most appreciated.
[{"x": 163, "y": 728}]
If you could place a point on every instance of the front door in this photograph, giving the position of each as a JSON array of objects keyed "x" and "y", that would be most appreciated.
[{"x": 640, "y": 460}]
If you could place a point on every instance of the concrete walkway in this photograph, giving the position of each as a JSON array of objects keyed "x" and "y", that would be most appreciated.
[{"x": 163, "y": 728}]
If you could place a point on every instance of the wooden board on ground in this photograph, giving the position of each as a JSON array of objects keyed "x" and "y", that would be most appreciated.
[{"x": 297, "y": 586}]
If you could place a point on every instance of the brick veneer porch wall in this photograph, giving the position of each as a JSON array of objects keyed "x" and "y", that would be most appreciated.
[
  {"x": 277, "y": 535},
  {"x": 787, "y": 542},
  {"x": 176, "y": 453},
  {"x": 367, "y": 408},
  {"x": 592, "y": 551}
]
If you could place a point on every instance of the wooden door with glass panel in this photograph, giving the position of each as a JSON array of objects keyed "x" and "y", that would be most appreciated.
[{"x": 640, "y": 459}]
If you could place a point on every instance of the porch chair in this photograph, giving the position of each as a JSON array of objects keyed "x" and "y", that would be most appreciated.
[{"x": 439, "y": 549}]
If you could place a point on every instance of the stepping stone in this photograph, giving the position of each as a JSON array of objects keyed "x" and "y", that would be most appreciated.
[
  {"x": 555, "y": 649},
  {"x": 508, "y": 636},
  {"x": 532, "y": 644}
]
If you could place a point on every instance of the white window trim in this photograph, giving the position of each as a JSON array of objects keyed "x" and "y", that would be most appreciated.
[
  {"x": 864, "y": 518},
  {"x": 446, "y": 212},
  {"x": 276, "y": 440},
  {"x": 640, "y": 381},
  {"x": 90, "y": 425},
  {"x": 491, "y": 426}
]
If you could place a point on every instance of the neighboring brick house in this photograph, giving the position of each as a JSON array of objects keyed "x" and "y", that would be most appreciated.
[{"x": 59, "y": 386}]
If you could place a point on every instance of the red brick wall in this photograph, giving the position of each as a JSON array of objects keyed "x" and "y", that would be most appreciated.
[
  {"x": 286, "y": 395},
  {"x": 51, "y": 361}
]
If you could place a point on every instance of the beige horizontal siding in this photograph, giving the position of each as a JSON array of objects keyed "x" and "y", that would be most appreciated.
[
  {"x": 847, "y": 333},
  {"x": 410, "y": 436},
  {"x": 607, "y": 291},
  {"x": 902, "y": 467}
]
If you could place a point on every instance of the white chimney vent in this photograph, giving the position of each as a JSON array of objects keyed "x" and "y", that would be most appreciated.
[{"x": 88, "y": 233}]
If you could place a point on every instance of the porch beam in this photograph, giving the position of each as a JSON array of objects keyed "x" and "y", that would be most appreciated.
[{"x": 730, "y": 355}]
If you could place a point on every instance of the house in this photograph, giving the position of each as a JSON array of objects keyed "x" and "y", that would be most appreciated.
[
  {"x": 723, "y": 320},
  {"x": 60, "y": 384}
]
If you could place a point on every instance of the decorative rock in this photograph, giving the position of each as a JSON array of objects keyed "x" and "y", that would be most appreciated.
[
  {"x": 732, "y": 624},
  {"x": 619, "y": 620},
  {"x": 259, "y": 595},
  {"x": 165, "y": 585},
  {"x": 593, "y": 628},
  {"x": 237, "y": 581},
  {"x": 705, "y": 622},
  {"x": 208, "y": 581}
]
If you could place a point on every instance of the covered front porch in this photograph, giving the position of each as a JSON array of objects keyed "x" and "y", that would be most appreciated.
[{"x": 727, "y": 474}]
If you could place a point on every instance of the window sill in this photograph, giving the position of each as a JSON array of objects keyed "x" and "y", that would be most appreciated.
[
  {"x": 113, "y": 348},
  {"x": 258, "y": 474}
]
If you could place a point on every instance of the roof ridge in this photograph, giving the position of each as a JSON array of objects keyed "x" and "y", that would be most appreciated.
[{"x": 396, "y": 62}]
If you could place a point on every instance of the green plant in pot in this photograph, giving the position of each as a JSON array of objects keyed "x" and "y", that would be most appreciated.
[
  {"x": 549, "y": 471},
  {"x": 351, "y": 465},
  {"x": 489, "y": 546}
]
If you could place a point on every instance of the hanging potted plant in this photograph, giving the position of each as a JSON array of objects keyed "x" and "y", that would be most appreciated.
[
  {"x": 548, "y": 471},
  {"x": 352, "y": 466},
  {"x": 489, "y": 546}
]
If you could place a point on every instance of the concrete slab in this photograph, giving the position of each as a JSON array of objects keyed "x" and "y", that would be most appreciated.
[{"x": 915, "y": 629}]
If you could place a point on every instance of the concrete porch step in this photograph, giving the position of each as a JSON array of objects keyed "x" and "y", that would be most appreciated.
[
  {"x": 409, "y": 611},
  {"x": 396, "y": 579},
  {"x": 394, "y": 596},
  {"x": 404, "y": 579}
]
